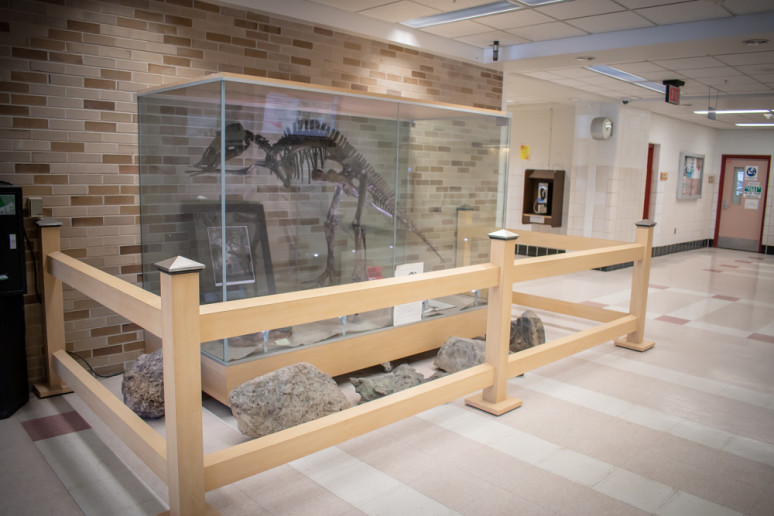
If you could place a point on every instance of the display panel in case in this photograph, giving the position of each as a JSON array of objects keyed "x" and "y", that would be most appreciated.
[{"x": 277, "y": 186}]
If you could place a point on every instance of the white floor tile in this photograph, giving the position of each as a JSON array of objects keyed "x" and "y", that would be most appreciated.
[
  {"x": 700, "y": 309},
  {"x": 636, "y": 490},
  {"x": 751, "y": 449},
  {"x": 579, "y": 468},
  {"x": 684, "y": 504},
  {"x": 723, "y": 330}
]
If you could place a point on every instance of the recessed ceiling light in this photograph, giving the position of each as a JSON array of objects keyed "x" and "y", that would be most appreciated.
[
  {"x": 754, "y": 42},
  {"x": 653, "y": 86},
  {"x": 533, "y": 3},
  {"x": 615, "y": 73},
  {"x": 734, "y": 111},
  {"x": 461, "y": 14}
]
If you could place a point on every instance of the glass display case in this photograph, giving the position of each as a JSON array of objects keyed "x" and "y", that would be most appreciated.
[{"x": 277, "y": 186}]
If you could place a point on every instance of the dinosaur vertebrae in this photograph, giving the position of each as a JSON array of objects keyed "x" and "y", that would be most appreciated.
[{"x": 306, "y": 146}]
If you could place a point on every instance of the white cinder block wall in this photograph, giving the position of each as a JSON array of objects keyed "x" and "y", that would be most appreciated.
[{"x": 605, "y": 181}]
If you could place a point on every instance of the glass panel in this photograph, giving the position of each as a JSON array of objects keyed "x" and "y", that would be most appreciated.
[
  {"x": 313, "y": 188},
  {"x": 736, "y": 197}
]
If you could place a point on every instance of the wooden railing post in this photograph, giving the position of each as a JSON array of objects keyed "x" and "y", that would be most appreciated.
[
  {"x": 53, "y": 309},
  {"x": 639, "y": 297},
  {"x": 180, "y": 337},
  {"x": 494, "y": 398}
]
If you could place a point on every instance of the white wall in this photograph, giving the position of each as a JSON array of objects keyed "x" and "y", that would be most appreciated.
[
  {"x": 605, "y": 180},
  {"x": 683, "y": 220}
]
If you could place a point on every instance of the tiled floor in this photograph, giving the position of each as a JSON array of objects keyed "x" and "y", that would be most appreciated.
[{"x": 686, "y": 428}]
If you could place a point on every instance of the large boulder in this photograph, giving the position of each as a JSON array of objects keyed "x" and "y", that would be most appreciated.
[
  {"x": 143, "y": 386},
  {"x": 373, "y": 387},
  {"x": 458, "y": 353},
  {"x": 527, "y": 331},
  {"x": 284, "y": 398}
]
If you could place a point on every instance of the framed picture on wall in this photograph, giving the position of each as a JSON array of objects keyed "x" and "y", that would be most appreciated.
[{"x": 690, "y": 174}]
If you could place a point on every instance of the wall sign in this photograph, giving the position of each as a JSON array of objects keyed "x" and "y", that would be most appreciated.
[
  {"x": 751, "y": 172},
  {"x": 752, "y": 190}
]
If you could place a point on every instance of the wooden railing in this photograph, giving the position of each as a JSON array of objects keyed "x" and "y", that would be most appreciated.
[{"x": 183, "y": 324}]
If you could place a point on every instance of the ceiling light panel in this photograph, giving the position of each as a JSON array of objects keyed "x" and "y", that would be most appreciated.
[
  {"x": 461, "y": 14},
  {"x": 534, "y": 3},
  {"x": 734, "y": 111},
  {"x": 615, "y": 73}
]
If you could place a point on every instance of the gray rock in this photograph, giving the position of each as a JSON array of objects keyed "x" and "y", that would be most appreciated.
[
  {"x": 527, "y": 331},
  {"x": 143, "y": 386},
  {"x": 373, "y": 387},
  {"x": 459, "y": 353},
  {"x": 284, "y": 398}
]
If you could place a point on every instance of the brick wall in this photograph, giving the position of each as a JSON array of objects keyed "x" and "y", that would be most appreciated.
[{"x": 68, "y": 116}]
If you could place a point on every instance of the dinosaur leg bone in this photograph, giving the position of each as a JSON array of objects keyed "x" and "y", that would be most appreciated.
[
  {"x": 360, "y": 183},
  {"x": 331, "y": 221}
]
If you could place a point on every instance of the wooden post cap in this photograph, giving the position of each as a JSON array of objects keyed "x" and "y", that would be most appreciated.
[
  {"x": 48, "y": 223},
  {"x": 503, "y": 234},
  {"x": 179, "y": 265}
]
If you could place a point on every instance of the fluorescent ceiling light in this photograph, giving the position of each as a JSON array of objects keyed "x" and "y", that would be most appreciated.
[
  {"x": 533, "y": 3},
  {"x": 734, "y": 111},
  {"x": 756, "y": 125},
  {"x": 653, "y": 86},
  {"x": 615, "y": 73},
  {"x": 461, "y": 14}
]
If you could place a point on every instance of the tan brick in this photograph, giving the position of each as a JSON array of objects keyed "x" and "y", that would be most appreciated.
[
  {"x": 28, "y": 53},
  {"x": 100, "y": 127},
  {"x": 63, "y": 57},
  {"x": 81, "y": 26},
  {"x": 30, "y": 123},
  {"x": 101, "y": 84},
  {"x": 67, "y": 147}
]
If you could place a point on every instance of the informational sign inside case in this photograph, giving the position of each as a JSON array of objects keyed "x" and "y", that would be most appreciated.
[{"x": 410, "y": 312}]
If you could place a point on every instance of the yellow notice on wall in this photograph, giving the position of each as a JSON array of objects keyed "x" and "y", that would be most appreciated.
[{"x": 524, "y": 152}]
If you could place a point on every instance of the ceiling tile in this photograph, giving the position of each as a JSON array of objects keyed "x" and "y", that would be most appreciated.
[
  {"x": 688, "y": 63},
  {"x": 748, "y": 58},
  {"x": 579, "y": 8},
  {"x": 717, "y": 71},
  {"x": 458, "y": 29},
  {"x": 486, "y": 39},
  {"x": 683, "y": 12},
  {"x": 639, "y": 4},
  {"x": 610, "y": 22},
  {"x": 546, "y": 31},
  {"x": 748, "y": 6},
  {"x": 399, "y": 11},
  {"x": 352, "y": 5},
  {"x": 761, "y": 69},
  {"x": 515, "y": 19}
]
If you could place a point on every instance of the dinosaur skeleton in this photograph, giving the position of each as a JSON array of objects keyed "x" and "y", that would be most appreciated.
[{"x": 301, "y": 153}]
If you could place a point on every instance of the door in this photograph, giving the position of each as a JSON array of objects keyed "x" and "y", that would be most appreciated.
[{"x": 741, "y": 203}]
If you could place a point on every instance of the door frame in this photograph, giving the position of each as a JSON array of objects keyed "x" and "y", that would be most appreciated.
[
  {"x": 648, "y": 182},
  {"x": 767, "y": 159}
]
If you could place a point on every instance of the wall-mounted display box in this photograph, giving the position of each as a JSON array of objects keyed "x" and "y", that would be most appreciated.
[
  {"x": 260, "y": 180},
  {"x": 543, "y": 197}
]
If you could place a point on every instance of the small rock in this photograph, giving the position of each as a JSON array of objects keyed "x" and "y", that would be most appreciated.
[
  {"x": 284, "y": 398},
  {"x": 373, "y": 387},
  {"x": 143, "y": 386},
  {"x": 527, "y": 331},
  {"x": 459, "y": 353}
]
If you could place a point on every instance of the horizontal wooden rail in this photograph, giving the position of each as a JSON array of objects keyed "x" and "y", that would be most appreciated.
[
  {"x": 576, "y": 261},
  {"x": 252, "y": 457},
  {"x": 246, "y": 316},
  {"x": 348, "y": 354},
  {"x": 548, "y": 304},
  {"x": 143, "y": 440},
  {"x": 557, "y": 349},
  {"x": 567, "y": 242},
  {"x": 130, "y": 301}
]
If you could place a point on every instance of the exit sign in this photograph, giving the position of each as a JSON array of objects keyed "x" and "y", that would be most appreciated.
[
  {"x": 673, "y": 90},
  {"x": 673, "y": 94}
]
